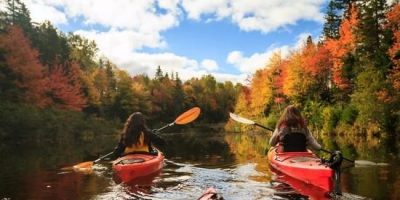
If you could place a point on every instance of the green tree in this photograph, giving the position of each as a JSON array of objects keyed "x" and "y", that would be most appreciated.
[
  {"x": 333, "y": 20},
  {"x": 125, "y": 98},
  {"x": 374, "y": 37},
  {"x": 53, "y": 47},
  {"x": 178, "y": 96},
  {"x": 371, "y": 110},
  {"x": 18, "y": 14},
  {"x": 83, "y": 51},
  {"x": 159, "y": 74}
]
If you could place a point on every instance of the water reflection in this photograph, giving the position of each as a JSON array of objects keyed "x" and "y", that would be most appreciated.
[{"x": 235, "y": 164}]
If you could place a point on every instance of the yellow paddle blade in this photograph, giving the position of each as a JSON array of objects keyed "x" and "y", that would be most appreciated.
[
  {"x": 83, "y": 165},
  {"x": 188, "y": 116}
]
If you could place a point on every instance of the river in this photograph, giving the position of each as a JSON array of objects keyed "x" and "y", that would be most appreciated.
[{"x": 235, "y": 164}]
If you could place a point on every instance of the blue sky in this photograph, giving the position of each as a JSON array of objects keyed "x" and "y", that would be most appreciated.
[{"x": 227, "y": 39}]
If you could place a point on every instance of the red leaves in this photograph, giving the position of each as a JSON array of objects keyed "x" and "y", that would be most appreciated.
[
  {"x": 26, "y": 71},
  {"x": 394, "y": 23},
  {"x": 65, "y": 88},
  {"x": 36, "y": 84}
]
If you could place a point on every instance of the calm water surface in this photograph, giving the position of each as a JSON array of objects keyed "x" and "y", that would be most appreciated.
[{"x": 234, "y": 164}]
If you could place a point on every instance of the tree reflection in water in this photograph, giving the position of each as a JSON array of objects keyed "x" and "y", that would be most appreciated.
[{"x": 235, "y": 164}]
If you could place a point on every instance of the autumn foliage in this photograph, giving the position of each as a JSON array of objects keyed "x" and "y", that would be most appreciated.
[
  {"x": 22, "y": 67},
  {"x": 394, "y": 23},
  {"x": 343, "y": 46},
  {"x": 342, "y": 81},
  {"x": 64, "y": 87},
  {"x": 38, "y": 85}
]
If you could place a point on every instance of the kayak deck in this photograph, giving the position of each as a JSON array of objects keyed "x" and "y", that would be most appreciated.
[
  {"x": 137, "y": 165},
  {"x": 304, "y": 166}
]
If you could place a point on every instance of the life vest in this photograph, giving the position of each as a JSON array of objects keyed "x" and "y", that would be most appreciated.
[
  {"x": 141, "y": 146},
  {"x": 294, "y": 141}
]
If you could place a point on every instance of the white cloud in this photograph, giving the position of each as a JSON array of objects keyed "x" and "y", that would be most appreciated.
[
  {"x": 196, "y": 8},
  {"x": 249, "y": 64},
  {"x": 257, "y": 15},
  {"x": 209, "y": 65},
  {"x": 40, "y": 11},
  {"x": 125, "y": 41},
  {"x": 138, "y": 15}
]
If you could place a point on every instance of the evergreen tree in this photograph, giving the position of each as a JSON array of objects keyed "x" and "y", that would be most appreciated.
[
  {"x": 53, "y": 47},
  {"x": 333, "y": 21},
  {"x": 18, "y": 14},
  {"x": 373, "y": 45},
  {"x": 159, "y": 74}
]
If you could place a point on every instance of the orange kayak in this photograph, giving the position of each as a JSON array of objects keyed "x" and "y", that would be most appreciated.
[
  {"x": 304, "y": 166},
  {"x": 133, "y": 166}
]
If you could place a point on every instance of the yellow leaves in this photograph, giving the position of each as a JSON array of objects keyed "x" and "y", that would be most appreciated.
[
  {"x": 262, "y": 92},
  {"x": 296, "y": 80}
]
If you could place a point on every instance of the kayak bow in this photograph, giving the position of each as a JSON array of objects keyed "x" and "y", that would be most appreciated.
[{"x": 306, "y": 166}]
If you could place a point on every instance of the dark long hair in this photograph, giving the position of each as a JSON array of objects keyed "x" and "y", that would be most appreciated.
[
  {"x": 291, "y": 117},
  {"x": 134, "y": 126}
]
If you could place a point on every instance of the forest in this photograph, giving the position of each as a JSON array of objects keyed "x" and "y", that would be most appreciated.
[{"x": 347, "y": 82}]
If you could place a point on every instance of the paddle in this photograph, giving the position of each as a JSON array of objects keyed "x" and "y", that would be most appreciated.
[
  {"x": 247, "y": 121},
  {"x": 89, "y": 164},
  {"x": 184, "y": 118}
]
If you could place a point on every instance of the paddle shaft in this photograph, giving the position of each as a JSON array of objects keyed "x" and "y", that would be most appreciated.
[
  {"x": 102, "y": 157},
  {"x": 324, "y": 150},
  {"x": 166, "y": 126},
  {"x": 270, "y": 129}
]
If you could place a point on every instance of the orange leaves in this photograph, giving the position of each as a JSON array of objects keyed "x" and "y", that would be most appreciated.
[
  {"x": 318, "y": 64},
  {"x": 343, "y": 46}
]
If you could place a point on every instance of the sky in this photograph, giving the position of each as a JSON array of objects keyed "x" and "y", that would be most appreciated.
[{"x": 228, "y": 39}]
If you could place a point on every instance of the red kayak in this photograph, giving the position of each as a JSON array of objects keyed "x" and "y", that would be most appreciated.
[
  {"x": 307, "y": 167},
  {"x": 136, "y": 165},
  {"x": 290, "y": 186}
]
